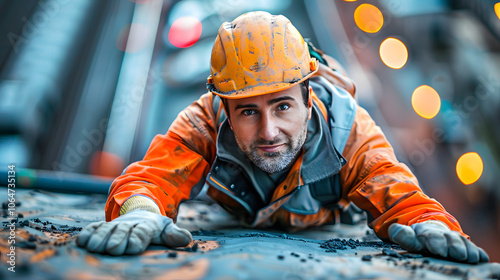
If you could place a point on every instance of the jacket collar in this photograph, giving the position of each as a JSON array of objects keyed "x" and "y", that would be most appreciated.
[
  {"x": 228, "y": 150},
  {"x": 321, "y": 159}
]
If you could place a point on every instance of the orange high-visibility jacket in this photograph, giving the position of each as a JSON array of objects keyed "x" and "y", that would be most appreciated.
[{"x": 368, "y": 174}]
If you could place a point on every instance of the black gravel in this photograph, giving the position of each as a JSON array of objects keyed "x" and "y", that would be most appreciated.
[
  {"x": 205, "y": 232},
  {"x": 391, "y": 253},
  {"x": 5, "y": 204},
  {"x": 366, "y": 258},
  {"x": 195, "y": 247},
  {"x": 335, "y": 244},
  {"x": 47, "y": 226},
  {"x": 412, "y": 256},
  {"x": 26, "y": 245}
]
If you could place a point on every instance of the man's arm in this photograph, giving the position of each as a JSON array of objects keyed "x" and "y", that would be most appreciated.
[
  {"x": 377, "y": 182},
  {"x": 173, "y": 165},
  {"x": 143, "y": 201}
]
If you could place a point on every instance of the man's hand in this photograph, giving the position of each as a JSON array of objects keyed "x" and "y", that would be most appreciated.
[
  {"x": 436, "y": 239},
  {"x": 132, "y": 233}
]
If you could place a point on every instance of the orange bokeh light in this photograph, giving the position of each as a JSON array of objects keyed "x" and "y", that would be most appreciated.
[
  {"x": 469, "y": 168},
  {"x": 368, "y": 18},
  {"x": 426, "y": 101},
  {"x": 106, "y": 164},
  {"x": 393, "y": 53},
  {"x": 497, "y": 9}
]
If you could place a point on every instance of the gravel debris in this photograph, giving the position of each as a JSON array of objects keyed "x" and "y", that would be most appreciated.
[{"x": 366, "y": 258}]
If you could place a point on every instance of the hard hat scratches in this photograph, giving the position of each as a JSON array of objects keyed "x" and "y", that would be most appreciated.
[{"x": 264, "y": 54}]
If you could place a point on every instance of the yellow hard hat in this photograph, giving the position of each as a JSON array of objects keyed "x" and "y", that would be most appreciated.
[{"x": 258, "y": 53}]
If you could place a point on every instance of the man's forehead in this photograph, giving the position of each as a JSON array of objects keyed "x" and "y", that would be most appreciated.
[{"x": 292, "y": 92}]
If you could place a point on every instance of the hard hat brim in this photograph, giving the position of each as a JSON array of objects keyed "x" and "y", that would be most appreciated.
[{"x": 259, "y": 89}]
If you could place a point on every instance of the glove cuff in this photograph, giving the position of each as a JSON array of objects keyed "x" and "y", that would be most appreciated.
[
  {"x": 139, "y": 202},
  {"x": 436, "y": 222}
]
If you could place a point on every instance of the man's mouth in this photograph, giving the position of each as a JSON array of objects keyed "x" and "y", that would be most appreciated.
[{"x": 270, "y": 148}]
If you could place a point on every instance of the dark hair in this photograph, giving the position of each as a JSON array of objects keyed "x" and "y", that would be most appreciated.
[{"x": 304, "y": 88}]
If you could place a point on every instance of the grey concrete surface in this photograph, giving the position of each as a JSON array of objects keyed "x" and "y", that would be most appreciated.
[{"x": 48, "y": 223}]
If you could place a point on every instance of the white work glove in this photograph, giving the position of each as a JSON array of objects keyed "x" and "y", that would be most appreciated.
[
  {"x": 132, "y": 233},
  {"x": 438, "y": 240}
]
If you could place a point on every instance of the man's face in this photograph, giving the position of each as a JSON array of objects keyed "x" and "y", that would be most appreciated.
[{"x": 271, "y": 128}]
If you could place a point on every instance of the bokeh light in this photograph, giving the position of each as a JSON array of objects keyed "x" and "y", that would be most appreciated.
[
  {"x": 497, "y": 9},
  {"x": 185, "y": 32},
  {"x": 469, "y": 168},
  {"x": 426, "y": 101},
  {"x": 132, "y": 38},
  {"x": 106, "y": 164},
  {"x": 393, "y": 53},
  {"x": 368, "y": 18},
  {"x": 350, "y": 0}
]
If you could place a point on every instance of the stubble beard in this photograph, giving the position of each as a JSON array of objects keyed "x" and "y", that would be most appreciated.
[{"x": 276, "y": 161}]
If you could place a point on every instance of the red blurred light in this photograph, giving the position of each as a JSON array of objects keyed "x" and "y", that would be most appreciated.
[{"x": 185, "y": 32}]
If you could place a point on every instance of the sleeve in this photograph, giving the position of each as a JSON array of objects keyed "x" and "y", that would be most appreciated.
[
  {"x": 174, "y": 163},
  {"x": 378, "y": 183}
]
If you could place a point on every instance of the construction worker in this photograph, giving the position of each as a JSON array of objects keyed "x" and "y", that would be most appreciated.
[{"x": 280, "y": 141}]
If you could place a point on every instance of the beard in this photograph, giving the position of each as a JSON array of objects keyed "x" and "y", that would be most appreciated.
[{"x": 276, "y": 161}]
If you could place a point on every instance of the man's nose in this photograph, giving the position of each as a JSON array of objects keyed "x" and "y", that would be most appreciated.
[{"x": 268, "y": 129}]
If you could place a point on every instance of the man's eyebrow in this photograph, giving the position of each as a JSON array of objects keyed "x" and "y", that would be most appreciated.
[
  {"x": 278, "y": 99},
  {"x": 270, "y": 102},
  {"x": 243, "y": 106}
]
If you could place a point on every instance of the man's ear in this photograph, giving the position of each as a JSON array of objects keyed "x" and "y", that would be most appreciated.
[{"x": 310, "y": 103}]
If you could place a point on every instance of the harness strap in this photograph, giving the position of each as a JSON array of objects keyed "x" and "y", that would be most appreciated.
[{"x": 218, "y": 108}]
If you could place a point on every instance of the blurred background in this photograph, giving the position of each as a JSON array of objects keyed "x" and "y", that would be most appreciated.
[{"x": 86, "y": 84}]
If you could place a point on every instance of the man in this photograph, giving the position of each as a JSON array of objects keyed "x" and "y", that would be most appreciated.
[{"x": 293, "y": 146}]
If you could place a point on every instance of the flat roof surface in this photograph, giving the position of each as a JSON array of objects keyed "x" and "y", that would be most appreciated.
[{"x": 49, "y": 222}]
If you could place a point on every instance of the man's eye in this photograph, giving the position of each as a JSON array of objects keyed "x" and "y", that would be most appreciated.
[
  {"x": 248, "y": 112},
  {"x": 283, "y": 107}
]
